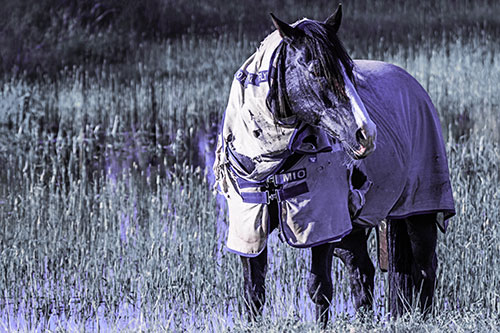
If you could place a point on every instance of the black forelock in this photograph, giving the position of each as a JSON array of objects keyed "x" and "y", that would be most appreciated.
[{"x": 324, "y": 45}]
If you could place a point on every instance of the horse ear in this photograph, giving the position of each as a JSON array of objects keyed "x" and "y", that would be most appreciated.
[
  {"x": 335, "y": 19},
  {"x": 287, "y": 32}
]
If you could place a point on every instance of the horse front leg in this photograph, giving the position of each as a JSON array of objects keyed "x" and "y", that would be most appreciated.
[
  {"x": 412, "y": 262},
  {"x": 254, "y": 276},
  {"x": 353, "y": 252},
  {"x": 320, "y": 281}
]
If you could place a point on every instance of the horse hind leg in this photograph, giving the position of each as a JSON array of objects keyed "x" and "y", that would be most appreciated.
[
  {"x": 422, "y": 231},
  {"x": 412, "y": 262},
  {"x": 254, "y": 276},
  {"x": 320, "y": 281},
  {"x": 399, "y": 270},
  {"x": 353, "y": 252}
]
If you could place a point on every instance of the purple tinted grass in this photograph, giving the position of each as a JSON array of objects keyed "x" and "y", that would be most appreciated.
[
  {"x": 207, "y": 157},
  {"x": 124, "y": 222}
]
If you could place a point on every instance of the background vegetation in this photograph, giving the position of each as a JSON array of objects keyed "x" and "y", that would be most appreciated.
[
  {"x": 43, "y": 36},
  {"x": 108, "y": 115}
]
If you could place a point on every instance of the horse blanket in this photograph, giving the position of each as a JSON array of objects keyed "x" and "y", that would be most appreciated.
[{"x": 409, "y": 168}]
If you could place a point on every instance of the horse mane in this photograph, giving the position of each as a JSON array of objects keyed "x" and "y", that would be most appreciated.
[
  {"x": 324, "y": 45},
  {"x": 277, "y": 99}
]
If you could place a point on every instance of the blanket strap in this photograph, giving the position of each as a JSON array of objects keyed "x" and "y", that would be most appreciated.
[
  {"x": 272, "y": 188},
  {"x": 266, "y": 196}
]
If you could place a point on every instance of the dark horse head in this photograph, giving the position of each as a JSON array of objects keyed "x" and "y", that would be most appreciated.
[{"x": 314, "y": 83}]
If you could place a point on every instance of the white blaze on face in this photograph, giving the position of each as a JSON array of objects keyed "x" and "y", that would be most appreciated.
[{"x": 358, "y": 108}]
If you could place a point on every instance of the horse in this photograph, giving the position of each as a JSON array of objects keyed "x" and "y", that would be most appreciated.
[{"x": 388, "y": 129}]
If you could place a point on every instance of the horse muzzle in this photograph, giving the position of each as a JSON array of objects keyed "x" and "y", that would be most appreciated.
[{"x": 365, "y": 137}]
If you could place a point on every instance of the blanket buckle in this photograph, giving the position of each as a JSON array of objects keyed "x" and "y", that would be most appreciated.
[
  {"x": 271, "y": 189},
  {"x": 271, "y": 196}
]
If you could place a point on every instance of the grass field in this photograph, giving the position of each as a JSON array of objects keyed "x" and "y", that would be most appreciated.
[{"x": 107, "y": 217}]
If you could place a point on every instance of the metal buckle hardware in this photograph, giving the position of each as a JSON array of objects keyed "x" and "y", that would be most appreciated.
[{"x": 271, "y": 196}]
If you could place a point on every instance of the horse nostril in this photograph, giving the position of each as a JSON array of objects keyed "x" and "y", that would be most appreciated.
[{"x": 361, "y": 136}]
